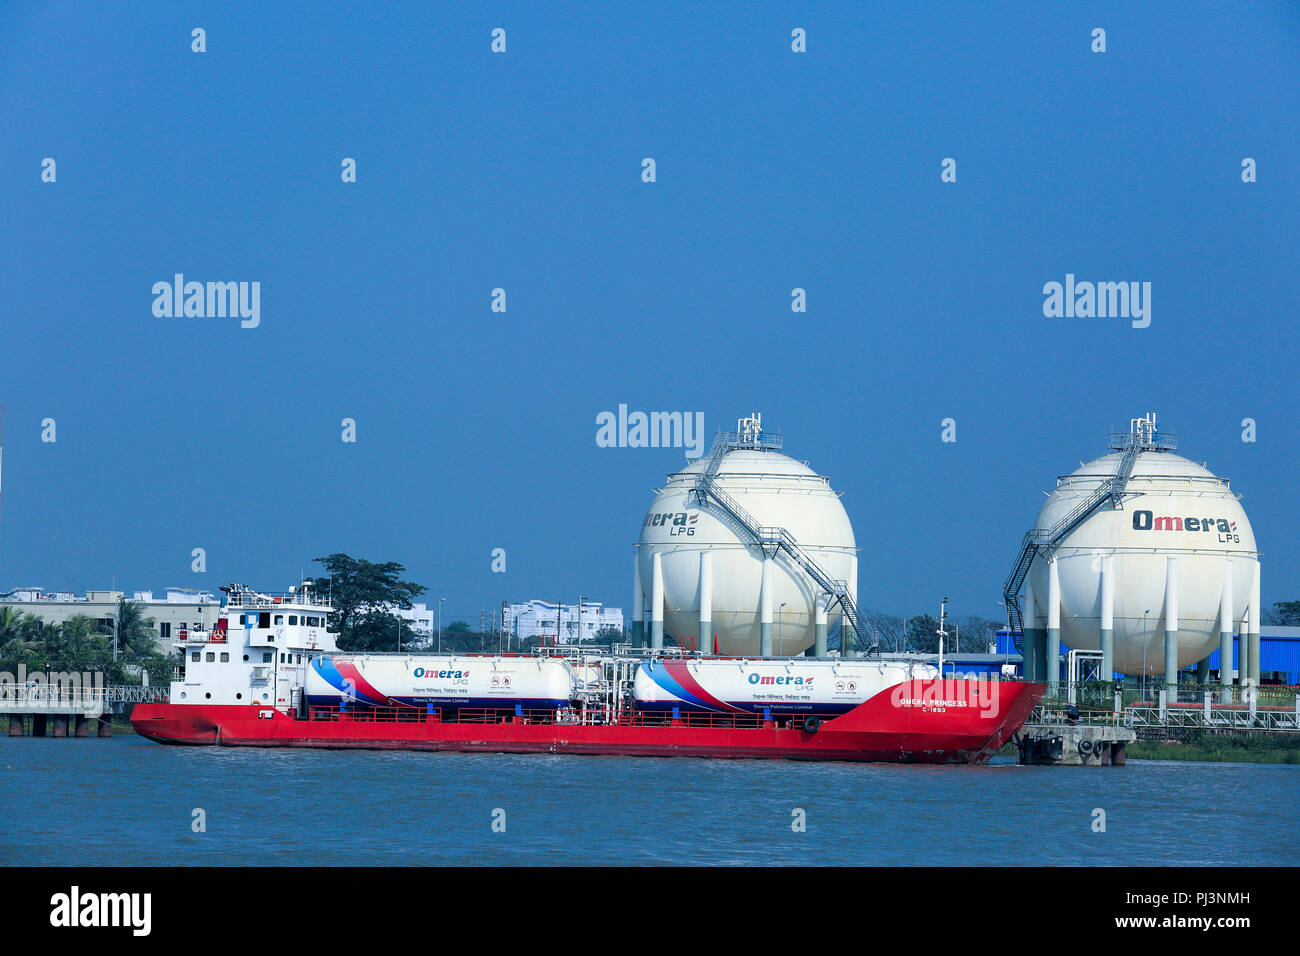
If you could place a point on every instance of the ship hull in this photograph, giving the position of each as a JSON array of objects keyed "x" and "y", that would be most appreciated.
[{"x": 961, "y": 722}]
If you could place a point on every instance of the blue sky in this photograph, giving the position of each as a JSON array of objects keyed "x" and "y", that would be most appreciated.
[{"x": 775, "y": 170}]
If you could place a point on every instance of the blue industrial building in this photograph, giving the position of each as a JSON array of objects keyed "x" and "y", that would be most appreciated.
[{"x": 1279, "y": 654}]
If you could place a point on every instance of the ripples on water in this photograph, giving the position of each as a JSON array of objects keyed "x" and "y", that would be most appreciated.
[{"x": 127, "y": 801}]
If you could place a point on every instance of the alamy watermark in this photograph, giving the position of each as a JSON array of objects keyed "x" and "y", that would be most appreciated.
[
  {"x": 651, "y": 430},
  {"x": 1102, "y": 300},
  {"x": 211, "y": 300},
  {"x": 53, "y": 692}
]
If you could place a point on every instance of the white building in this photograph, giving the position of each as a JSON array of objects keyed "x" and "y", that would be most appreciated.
[
  {"x": 540, "y": 618},
  {"x": 177, "y": 610},
  {"x": 419, "y": 617}
]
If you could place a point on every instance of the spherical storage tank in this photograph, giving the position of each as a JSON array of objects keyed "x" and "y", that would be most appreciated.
[
  {"x": 712, "y": 572},
  {"x": 1178, "y": 551}
]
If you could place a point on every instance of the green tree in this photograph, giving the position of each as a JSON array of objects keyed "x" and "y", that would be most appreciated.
[
  {"x": 360, "y": 591},
  {"x": 135, "y": 632},
  {"x": 609, "y": 635},
  {"x": 377, "y": 629},
  {"x": 1284, "y": 614}
]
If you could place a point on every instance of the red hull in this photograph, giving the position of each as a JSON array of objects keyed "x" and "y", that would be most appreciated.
[{"x": 917, "y": 722}]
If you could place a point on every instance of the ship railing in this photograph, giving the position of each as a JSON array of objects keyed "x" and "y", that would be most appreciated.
[
  {"x": 565, "y": 717},
  {"x": 273, "y": 599},
  {"x": 376, "y": 715}
]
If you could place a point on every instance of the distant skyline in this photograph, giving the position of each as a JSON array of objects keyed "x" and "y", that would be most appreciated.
[{"x": 487, "y": 180}]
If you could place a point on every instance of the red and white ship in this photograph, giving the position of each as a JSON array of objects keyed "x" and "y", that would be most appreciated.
[{"x": 270, "y": 675}]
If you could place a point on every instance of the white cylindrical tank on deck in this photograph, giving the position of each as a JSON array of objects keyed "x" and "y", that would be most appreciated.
[
  {"x": 777, "y": 492},
  {"x": 1172, "y": 508},
  {"x": 798, "y": 685},
  {"x": 445, "y": 682}
]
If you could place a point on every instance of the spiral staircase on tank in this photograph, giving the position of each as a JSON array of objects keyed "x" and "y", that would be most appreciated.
[
  {"x": 1142, "y": 436},
  {"x": 772, "y": 540}
]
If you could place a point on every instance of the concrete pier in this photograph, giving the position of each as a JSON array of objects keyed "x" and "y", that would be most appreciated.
[
  {"x": 105, "y": 726},
  {"x": 60, "y": 726},
  {"x": 1073, "y": 745},
  {"x": 15, "y": 725},
  {"x": 38, "y": 725},
  {"x": 82, "y": 726}
]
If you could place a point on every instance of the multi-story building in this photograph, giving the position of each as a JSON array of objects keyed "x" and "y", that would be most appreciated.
[
  {"x": 562, "y": 623},
  {"x": 176, "y": 610}
]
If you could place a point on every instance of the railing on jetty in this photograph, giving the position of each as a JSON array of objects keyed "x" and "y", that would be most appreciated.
[{"x": 1154, "y": 708}]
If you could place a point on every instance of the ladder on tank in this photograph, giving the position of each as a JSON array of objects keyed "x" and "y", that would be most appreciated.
[
  {"x": 773, "y": 540},
  {"x": 1044, "y": 542}
]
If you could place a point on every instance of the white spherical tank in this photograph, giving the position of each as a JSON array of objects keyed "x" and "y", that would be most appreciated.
[
  {"x": 701, "y": 549},
  {"x": 1176, "y": 518}
]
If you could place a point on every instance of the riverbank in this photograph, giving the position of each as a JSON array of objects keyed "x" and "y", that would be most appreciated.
[{"x": 1281, "y": 748}]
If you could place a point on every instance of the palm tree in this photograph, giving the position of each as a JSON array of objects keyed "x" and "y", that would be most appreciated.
[{"x": 135, "y": 633}]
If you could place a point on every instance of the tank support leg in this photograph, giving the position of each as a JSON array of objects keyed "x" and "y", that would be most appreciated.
[
  {"x": 1171, "y": 623},
  {"x": 657, "y": 604},
  {"x": 819, "y": 631},
  {"x": 1053, "y": 627},
  {"x": 1254, "y": 629},
  {"x": 1225, "y": 634},
  {"x": 765, "y": 610},
  {"x": 1107, "y": 618},
  {"x": 637, "y": 612},
  {"x": 705, "y": 642}
]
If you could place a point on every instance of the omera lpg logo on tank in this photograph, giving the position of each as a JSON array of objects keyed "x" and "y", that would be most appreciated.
[
  {"x": 1146, "y": 521},
  {"x": 453, "y": 674},
  {"x": 678, "y": 523},
  {"x": 771, "y": 679}
]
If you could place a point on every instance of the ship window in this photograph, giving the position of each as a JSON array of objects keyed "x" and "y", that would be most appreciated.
[
  {"x": 196, "y": 656},
  {"x": 267, "y": 657},
  {"x": 264, "y": 619},
  {"x": 211, "y": 657},
  {"x": 279, "y": 619},
  {"x": 181, "y": 625},
  {"x": 299, "y": 660},
  {"x": 225, "y": 657},
  {"x": 293, "y": 619},
  {"x": 165, "y": 629}
]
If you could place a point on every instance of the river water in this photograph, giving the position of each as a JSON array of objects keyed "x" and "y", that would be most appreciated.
[{"x": 128, "y": 801}]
